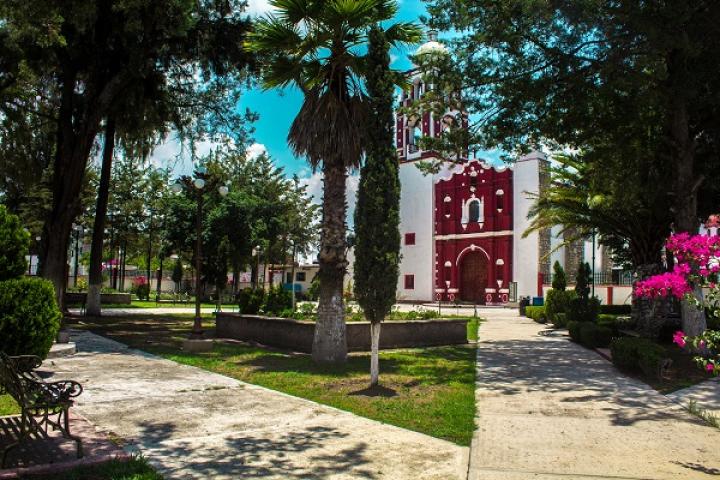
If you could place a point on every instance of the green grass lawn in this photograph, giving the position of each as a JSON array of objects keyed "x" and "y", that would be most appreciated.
[
  {"x": 8, "y": 406},
  {"x": 133, "y": 469},
  {"x": 429, "y": 390}
]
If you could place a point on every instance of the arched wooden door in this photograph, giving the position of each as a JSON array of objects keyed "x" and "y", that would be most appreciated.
[{"x": 473, "y": 277}]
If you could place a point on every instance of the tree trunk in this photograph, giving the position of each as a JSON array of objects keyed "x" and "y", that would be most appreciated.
[
  {"x": 648, "y": 314},
  {"x": 374, "y": 357},
  {"x": 329, "y": 342},
  {"x": 93, "y": 307},
  {"x": 693, "y": 319}
]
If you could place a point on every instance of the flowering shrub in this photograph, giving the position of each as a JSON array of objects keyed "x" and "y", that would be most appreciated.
[
  {"x": 141, "y": 287},
  {"x": 697, "y": 265}
]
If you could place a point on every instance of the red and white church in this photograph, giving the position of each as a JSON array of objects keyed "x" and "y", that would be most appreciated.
[{"x": 461, "y": 229}]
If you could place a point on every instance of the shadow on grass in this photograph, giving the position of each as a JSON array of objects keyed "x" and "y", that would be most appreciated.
[{"x": 375, "y": 391}]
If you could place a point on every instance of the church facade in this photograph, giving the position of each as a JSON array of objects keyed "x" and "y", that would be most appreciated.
[{"x": 462, "y": 228}]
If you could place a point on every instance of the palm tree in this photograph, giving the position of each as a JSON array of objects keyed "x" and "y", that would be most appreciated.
[{"x": 318, "y": 46}]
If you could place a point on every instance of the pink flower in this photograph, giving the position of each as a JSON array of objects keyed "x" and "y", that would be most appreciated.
[
  {"x": 709, "y": 367},
  {"x": 679, "y": 339}
]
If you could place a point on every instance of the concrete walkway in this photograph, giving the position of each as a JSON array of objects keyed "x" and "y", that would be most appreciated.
[
  {"x": 705, "y": 395},
  {"x": 550, "y": 409},
  {"x": 191, "y": 423}
]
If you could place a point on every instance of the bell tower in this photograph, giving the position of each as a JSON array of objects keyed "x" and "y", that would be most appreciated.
[{"x": 411, "y": 128}]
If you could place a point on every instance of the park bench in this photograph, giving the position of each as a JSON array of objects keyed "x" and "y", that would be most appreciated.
[{"x": 42, "y": 404}]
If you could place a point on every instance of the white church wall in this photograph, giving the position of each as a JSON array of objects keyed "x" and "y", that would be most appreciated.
[
  {"x": 416, "y": 214},
  {"x": 526, "y": 251}
]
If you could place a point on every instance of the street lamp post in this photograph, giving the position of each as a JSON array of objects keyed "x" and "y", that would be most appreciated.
[{"x": 201, "y": 186}]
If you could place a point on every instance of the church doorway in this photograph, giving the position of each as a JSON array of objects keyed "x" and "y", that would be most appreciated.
[{"x": 473, "y": 277}]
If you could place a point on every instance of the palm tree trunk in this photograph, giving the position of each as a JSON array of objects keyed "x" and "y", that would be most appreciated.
[
  {"x": 96, "y": 251},
  {"x": 329, "y": 342},
  {"x": 374, "y": 355}
]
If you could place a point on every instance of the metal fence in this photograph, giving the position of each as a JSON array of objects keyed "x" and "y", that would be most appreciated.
[{"x": 615, "y": 277}]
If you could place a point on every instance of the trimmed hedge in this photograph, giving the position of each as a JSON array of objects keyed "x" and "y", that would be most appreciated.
[
  {"x": 631, "y": 353},
  {"x": 581, "y": 310},
  {"x": 536, "y": 313},
  {"x": 29, "y": 316},
  {"x": 589, "y": 334},
  {"x": 615, "y": 309}
]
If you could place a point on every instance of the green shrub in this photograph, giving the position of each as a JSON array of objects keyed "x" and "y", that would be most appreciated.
[
  {"x": 557, "y": 301},
  {"x": 560, "y": 320},
  {"x": 615, "y": 309},
  {"x": 143, "y": 291},
  {"x": 559, "y": 281},
  {"x": 536, "y": 313},
  {"x": 574, "y": 331},
  {"x": 277, "y": 300},
  {"x": 14, "y": 243},
  {"x": 593, "y": 335},
  {"x": 250, "y": 300},
  {"x": 581, "y": 310},
  {"x": 632, "y": 353},
  {"x": 29, "y": 316}
]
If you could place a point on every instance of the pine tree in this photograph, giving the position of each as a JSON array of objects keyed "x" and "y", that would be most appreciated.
[
  {"x": 559, "y": 282},
  {"x": 582, "y": 283},
  {"x": 377, "y": 214}
]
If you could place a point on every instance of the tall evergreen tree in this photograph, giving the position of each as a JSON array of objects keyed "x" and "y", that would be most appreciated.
[
  {"x": 377, "y": 216},
  {"x": 559, "y": 282}
]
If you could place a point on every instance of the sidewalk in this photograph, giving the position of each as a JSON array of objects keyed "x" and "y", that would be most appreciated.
[
  {"x": 550, "y": 409},
  {"x": 191, "y": 423}
]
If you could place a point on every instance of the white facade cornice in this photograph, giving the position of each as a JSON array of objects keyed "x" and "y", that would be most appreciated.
[{"x": 460, "y": 236}]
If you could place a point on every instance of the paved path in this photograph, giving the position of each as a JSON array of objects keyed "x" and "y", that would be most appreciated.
[
  {"x": 191, "y": 423},
  {"x": 550, "y": 409},
  {"x": 706, "y": 396}
]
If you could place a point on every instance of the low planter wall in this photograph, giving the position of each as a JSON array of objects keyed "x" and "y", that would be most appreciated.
[
  {"x": 298, "y": 335},
  {"x": 105, "y": 298}
]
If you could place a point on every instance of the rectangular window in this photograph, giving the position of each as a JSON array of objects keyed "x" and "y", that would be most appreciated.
[
  {"x": 288, "y": 277},
  {"x": 300, "y": 276},
  {"x": 409, "y": 239},
  {"x": 409, "y": 282}
]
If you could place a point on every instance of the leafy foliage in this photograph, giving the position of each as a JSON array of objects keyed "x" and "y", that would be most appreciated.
[
  {"x": 558, "y": 302},
  {"x": 637, "y": 354},
  {"x": 14, "y": 241},
  {"x": 277, "y": 300},
  {"x": 559, "y": 281},
  {"x": 587, "y": 74},
  {"x": 29, "y": 316},
  {"x": 377, "y": 215},
  {"x": 250, "y": 300}
]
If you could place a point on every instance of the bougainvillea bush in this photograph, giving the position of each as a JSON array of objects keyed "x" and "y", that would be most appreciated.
[{"x": 697, "y": 267}]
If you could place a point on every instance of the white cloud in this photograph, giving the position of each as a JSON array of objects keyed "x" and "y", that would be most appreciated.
[
  {"x": 258, "y": 7},
  {"x": 255, "y": 150},
  {"x": 314, "y": 184}
]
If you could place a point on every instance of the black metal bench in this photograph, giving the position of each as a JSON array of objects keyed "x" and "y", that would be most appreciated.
[{"x": 42, "y": 404}]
